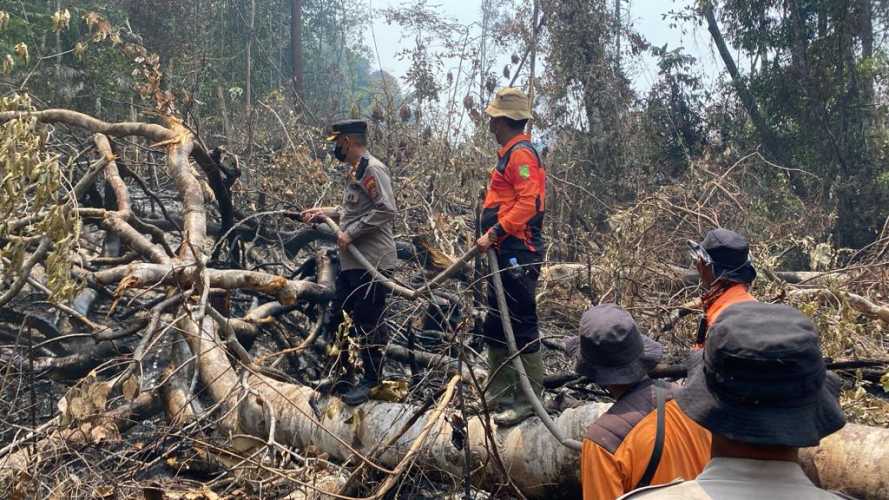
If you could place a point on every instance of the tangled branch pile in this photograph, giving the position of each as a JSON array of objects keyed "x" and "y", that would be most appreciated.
[{"x": 128, "y": 297}]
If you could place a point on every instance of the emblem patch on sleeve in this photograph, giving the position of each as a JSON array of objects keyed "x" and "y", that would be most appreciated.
[
  {"x": 370, "y": 184},
  {"x": 525, "y": 171}
]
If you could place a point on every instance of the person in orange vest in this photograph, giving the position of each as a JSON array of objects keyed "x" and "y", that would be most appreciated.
[
  {"x": 644, "y": 438},
  {"x": 726, "y": 273},
  {"x": 512, "y": 223},
  {"x": 761, "y": 387}
]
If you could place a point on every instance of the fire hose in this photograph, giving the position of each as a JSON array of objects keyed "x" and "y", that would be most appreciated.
[{"x": 517, "y": 365}]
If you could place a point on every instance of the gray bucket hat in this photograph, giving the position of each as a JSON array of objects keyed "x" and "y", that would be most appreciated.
[
  {"x": 761, "y": 379},
  {"x": 610, "y": 350},
  {"x": 730, "y": 254}
]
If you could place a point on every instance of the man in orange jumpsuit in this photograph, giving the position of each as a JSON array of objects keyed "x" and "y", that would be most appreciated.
[
  {"x": 512, "y": 222},
  {"x": 644, "y": 438},
  {"x": 726, "y": 273}
]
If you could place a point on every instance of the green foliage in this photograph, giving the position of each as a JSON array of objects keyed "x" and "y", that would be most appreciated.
[
  {"x": 816, "y": 73},
  {"x": 672, "y": 116},
  {"x": 199, "y": 62},
  {"x": 96, "y": 73},
  {"x": 590, "y": 97}
]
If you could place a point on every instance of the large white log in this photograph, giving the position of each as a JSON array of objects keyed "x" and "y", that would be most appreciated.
[
  {"x": 535, "y": 461},
  {"x": 854, "y": 460}
]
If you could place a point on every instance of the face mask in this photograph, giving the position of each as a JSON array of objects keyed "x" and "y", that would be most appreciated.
[{"x": 338, "y": 153}]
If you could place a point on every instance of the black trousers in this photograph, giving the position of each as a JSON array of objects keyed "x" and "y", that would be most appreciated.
[
  {"x": 365, "y": 301},
  {"x": 520, "y": 287}
]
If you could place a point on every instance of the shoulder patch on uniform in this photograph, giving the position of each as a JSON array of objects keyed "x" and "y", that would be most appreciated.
[
  {"x": 525, "y": 171},
  {"x": 370, "y": 184}
]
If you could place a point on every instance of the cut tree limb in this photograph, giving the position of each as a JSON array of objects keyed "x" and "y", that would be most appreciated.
[
  {"x": 400, "y": 289},
  {"x": 855, "y": 301}
]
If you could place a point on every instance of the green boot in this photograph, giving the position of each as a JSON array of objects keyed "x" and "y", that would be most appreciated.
[
  {"x": 522, "y": 407},
  {"x": 499, "y": 394}
]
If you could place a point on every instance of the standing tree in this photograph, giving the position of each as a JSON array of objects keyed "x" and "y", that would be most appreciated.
[{"x": 296, "y": 47}]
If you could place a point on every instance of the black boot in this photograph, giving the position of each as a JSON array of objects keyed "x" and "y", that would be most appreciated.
[
  {"x": 334, "y": 385},
  {"x": 358, "y": 394},
  {"x": 372, "y": 359}
]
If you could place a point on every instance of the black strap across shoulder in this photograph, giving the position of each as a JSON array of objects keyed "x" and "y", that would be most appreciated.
[
  {"x": 501, "y": 165},
  {"x": 362, "y": 168},
  {"x": 658, "y": 450}
]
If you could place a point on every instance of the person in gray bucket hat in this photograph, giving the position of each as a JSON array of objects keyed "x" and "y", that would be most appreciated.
[
  {"x": 762, "y": 389},
  {"x": 644, "y": 438},
  {"x": 726, "y": 273}
]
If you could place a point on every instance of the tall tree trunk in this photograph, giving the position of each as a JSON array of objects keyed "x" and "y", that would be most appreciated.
[
  {"x": 764, "y": 46},
  {"x": 58, "y": 48},
  {"x": 747, "y": 98},
  {"x": 483, "y": 53},
  {"x": 533, "y": 63},
  {"x": 249, "y": 92},
  {"x": 866, "y": 33},
  {"x": 223, "y": 110},
  {"x": 296, "y": 46},
  {"x": 798, "y": 46},
  {"x": 617, "y": 28}
]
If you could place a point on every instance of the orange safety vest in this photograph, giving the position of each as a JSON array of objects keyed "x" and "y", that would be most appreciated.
[
  {"x": 734, "y": 294},
  {"x": 515, "y": 198},
  {"x": 618, "y": 446}
]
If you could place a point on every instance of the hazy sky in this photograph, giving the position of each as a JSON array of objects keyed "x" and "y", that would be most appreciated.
[{"x": 646, "y": 16}]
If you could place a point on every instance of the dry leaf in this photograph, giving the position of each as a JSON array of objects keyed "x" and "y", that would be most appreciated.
[
  {"x": 106, "y": 491},
  {"x": 105, "y": 433},
  {"x": 62, "y": 406},
  {"x": 8, "y": 64},
  {"x": 21, "y": 50},
  {"x": 79, "y": 49},
  {"x": 130, "y": 388},
  {"x": 393, "y": 391},
  {"x": 60, "y": 20},
  {"x": 78, "y": 408},
  {"x": 98, "y": 394}
]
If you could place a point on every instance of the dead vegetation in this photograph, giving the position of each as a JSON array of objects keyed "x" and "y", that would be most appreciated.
[
  {"x": 163, "y": 320},
  {"x": 157, "y": 346}
]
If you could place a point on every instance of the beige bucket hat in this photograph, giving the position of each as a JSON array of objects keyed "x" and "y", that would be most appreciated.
[{"x": 511, "y": 103}]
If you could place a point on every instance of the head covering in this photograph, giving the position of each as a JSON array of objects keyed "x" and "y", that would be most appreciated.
[
  {"x": 761, "y": 379},
  {"x": 610, "y": 350},
  {"x": 511, "y": 103},
  {"x": 346, "y": 127},
  {"x": 730, "y": 254}
]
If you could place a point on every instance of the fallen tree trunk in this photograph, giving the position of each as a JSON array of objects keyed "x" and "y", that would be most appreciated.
[
  {"x": 536, "y": 462},
  {"x": 854, "y": 460},
  {"x": 689, "y": 277}
]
